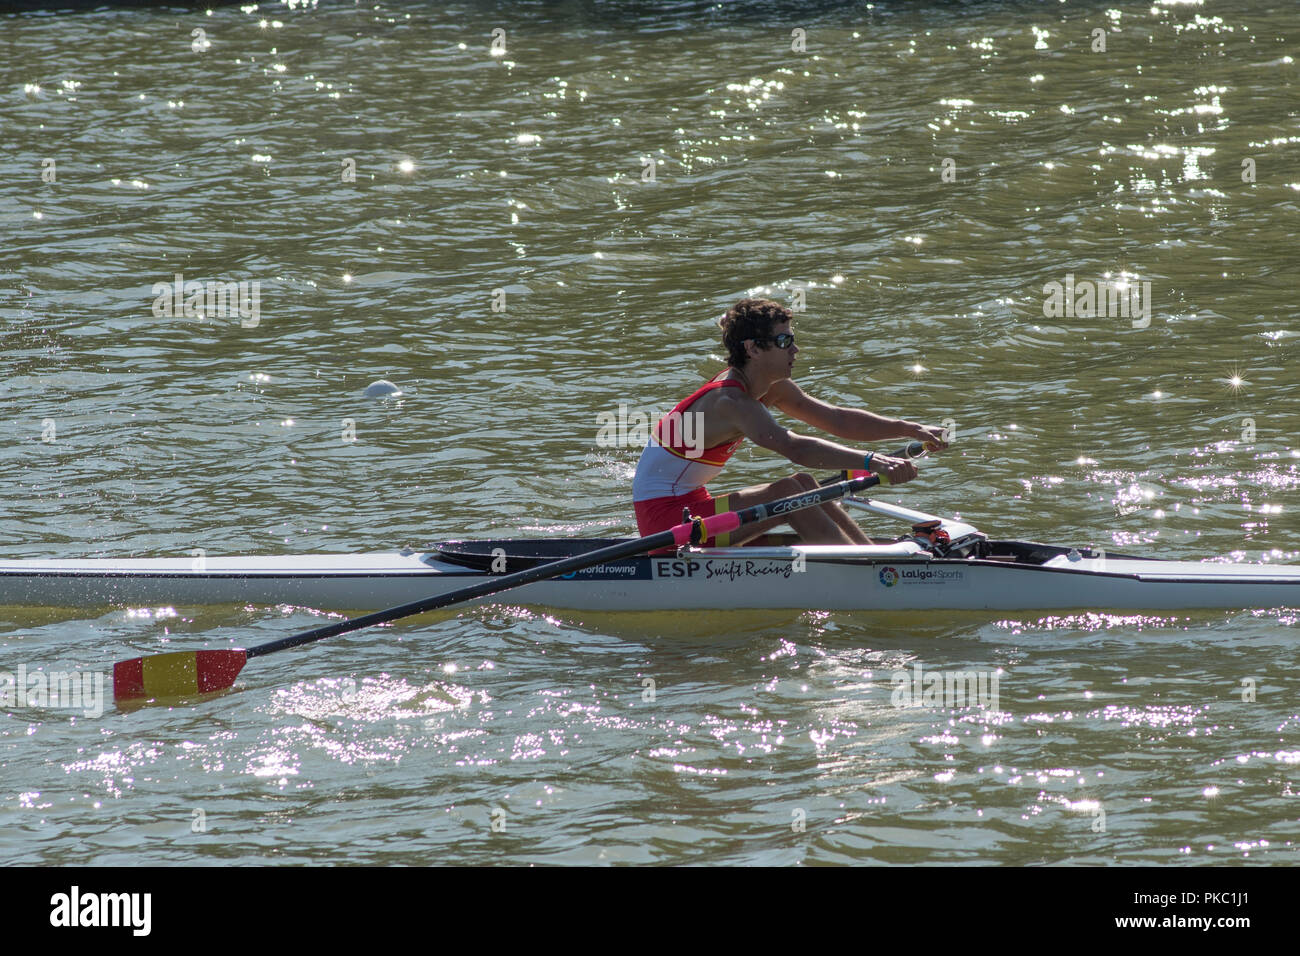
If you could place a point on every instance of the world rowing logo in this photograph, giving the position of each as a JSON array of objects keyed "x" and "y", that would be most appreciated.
[{"x": 888, "y": 577}]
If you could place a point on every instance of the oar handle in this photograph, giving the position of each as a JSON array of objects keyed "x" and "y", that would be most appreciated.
[
  {"x": 912, "y": 450},
  {"x": 696, "y": 531}
]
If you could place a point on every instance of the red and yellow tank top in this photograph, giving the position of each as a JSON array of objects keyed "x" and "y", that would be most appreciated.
[{"x": 674, "y": 462}]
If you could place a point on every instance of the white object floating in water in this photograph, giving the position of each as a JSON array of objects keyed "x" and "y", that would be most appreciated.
[{"x": 382, "y": 389}]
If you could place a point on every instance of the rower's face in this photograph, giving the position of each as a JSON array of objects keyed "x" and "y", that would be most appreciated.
[{"x": 782, "y": 359}]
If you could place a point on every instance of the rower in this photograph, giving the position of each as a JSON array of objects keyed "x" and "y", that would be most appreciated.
[{"x": 690, "y": 445}]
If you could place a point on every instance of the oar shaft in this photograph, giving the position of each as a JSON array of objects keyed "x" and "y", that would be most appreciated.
[
  {"x": 697, "y": 531},
  {"x": 554, "y": 569}
]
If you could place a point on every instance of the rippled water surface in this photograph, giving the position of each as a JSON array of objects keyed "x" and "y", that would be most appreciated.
[{"x": 918, "y": 173}]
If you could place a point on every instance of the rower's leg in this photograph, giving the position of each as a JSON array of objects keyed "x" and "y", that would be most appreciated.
[
  {"x": 836, "y": 512},
  {"x": 813, "y": 525}
]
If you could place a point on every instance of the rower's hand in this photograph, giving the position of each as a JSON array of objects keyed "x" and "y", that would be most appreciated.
[
  {"x": 933, "y": 437},
  {"x": 895, "y": 470}
]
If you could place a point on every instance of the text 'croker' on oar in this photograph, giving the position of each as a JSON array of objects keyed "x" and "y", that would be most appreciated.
[{"x": 183, "y": 674}]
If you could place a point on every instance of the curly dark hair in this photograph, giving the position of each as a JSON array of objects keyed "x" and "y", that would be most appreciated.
[{"x": 749, "y": 319}]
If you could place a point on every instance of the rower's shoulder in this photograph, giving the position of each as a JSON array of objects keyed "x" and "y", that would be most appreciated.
[
  {"x": 782, "y": 391},
  {"x": 737, "y": 391},
  {"x": 725, "y": 385},
  {"x": 737, "y": 406},
  {"x": 724, "y": 401}
]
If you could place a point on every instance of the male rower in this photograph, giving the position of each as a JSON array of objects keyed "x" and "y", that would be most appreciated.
[{"x": 679, "y": 459}]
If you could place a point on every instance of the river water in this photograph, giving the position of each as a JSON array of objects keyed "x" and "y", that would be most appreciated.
[{"x": 481, "y": 227}]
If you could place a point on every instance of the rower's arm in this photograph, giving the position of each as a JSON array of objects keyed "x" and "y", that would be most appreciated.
[
  {"x": 761, "y": 428},
  {"x": 849, "y": 423}
]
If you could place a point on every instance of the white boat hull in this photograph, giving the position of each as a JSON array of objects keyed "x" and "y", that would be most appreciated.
[{"x": 889, "y": 578}]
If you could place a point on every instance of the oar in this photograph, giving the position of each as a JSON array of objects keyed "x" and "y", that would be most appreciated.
[{"x": 180, "y": 674}]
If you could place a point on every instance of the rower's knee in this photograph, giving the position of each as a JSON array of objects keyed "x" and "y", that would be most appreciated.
[
  {"x": 805, "y": 481},
  {"x": 789, "y": 486}
]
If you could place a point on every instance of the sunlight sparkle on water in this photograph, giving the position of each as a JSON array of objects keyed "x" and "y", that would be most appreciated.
[
  {"x": 1233, "y": 380},
  {"x": 1087, "y": 622},
  {"x": 158, "y": 613},
  {"x": 370, "y": 700}
]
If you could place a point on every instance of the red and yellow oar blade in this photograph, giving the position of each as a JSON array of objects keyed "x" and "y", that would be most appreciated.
[{"x": 178, "y": 674}]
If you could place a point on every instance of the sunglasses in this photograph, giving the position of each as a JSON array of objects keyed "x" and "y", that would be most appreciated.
[{"x": 783, "y": 340}]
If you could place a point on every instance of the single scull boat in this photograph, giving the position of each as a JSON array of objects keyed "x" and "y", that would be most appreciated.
[{"x": 942, "y": 564}]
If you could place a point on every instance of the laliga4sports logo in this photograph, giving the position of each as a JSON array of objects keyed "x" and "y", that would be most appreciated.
[{"x": 891, "y": 576}]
